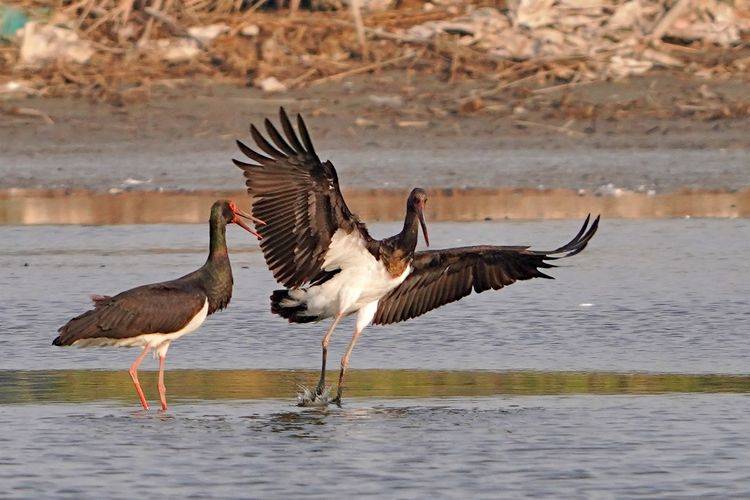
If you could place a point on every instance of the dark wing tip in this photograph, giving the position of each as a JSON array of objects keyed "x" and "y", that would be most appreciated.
[
  {"x": 263, "y": 144},
  {"x": 577, "y": 244},
  {"x": 242, "y": 164},
  {"x": 306, "y": 140},
  {"x": 250, "y": 153},
  {"x": 595, "y": 225},
  {"x": 583, "y": 227},
  {"x": 277, "y": 138},
  {"x": 583, "y": 242},
  {"x": 577, "y": 238},
  {"x": 291, "y": 135},
  {"x": 256, "y": 135},
  {"x": 591, "y": 231}
]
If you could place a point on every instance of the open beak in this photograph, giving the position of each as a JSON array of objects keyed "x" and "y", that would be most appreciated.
[
  {"x": 420, "y": 212},
  {"x": 242, "y": 223}
]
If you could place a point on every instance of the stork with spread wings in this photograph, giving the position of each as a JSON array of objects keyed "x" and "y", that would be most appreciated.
[{"x": 331, "y": 266}]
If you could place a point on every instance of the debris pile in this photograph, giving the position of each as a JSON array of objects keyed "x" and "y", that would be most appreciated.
[
  {"x": 116, "y": 50},
  {"x": 611, "y": 37},
  {"x": 44, "y": 44}
]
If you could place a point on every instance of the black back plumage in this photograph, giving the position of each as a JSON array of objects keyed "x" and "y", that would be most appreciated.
[{"x": 157, "y": 308}]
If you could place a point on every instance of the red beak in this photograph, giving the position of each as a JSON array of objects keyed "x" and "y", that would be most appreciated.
[{"x": 242, "y": 223}]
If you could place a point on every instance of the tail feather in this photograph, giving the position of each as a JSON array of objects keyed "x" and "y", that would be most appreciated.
[
  {"x": 293, "y": 308},
  {"x": 80, "y": 327}
]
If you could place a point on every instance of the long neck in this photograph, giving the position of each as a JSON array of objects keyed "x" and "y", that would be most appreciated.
[
  {"x": 216, "y": 273},
  {"x": 410, "y": 233},
  {"x": 217, "y": 247}
]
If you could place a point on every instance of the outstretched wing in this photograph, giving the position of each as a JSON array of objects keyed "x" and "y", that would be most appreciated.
[
  {"x": 299, "y": 199},
  {"x": 157, "y": 308},
  {"x": 440, "y": 277}
]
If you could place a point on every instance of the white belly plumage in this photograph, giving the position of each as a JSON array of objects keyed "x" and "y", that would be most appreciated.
[
  {"x": 159, "y": 341},
  {"x": 362, "y": 280}
]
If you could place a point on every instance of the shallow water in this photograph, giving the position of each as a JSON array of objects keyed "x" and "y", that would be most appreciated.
[
  {"x": 651, "y": 296},
  {"x": 497, "y": 447},
  {"x": 596, "y": 384}
]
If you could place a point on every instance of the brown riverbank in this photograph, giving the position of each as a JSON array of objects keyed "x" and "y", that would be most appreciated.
[{"x": 28, "y": 206}]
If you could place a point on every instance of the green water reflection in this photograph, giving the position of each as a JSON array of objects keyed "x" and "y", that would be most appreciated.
[{"x": 19, "y": 386}]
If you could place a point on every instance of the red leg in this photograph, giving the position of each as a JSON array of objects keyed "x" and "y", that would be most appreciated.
[
  {"x": 162, "y": 387},
  {"x": 134, "y": 376}
]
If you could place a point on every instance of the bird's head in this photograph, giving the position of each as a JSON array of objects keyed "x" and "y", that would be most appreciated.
[
  {"x": 417, "y": 202},
  {"x": 228, "y": 212}
]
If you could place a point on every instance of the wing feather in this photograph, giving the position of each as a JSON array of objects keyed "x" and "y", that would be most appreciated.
[
  {"x": 278, "y": 139},
  {"x": 440, "y": 277},
  {"x": 286, "y": 125},
  {"x": 298, "y": 197},
  {"x": 156, "y": 308},
  {"x": 306, "y": 137},
  {"x": 266, "y": 146}
]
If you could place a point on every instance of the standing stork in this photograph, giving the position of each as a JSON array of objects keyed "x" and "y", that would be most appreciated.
[
  {"x": 332, "y": 267},
  {"x": 152, "y": 316}
]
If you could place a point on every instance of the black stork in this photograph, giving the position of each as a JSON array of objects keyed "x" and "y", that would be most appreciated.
[
  {"x": 332, "y": 267},
  {"x": 152, "y": 316}
]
